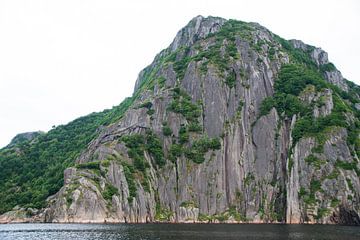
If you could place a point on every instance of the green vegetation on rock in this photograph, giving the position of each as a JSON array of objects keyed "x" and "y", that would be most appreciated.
[
  {"x": 214, "y": 55},
  {"x": 348, "y": 166},
  {"x": 328, "y": 67},
  {"x": 313, "y": 160},
  {"x": 183, "y": 135},
  {"x": 33, "y": 170},
  {"x": 182, "y": 104},
  {"x": 136, "y": 147},
  {"x": 154, "y": 147},
  {"x": 166, "y": 130},
  {"x": 292, "y": 80},
  {"x": 109, "y": 191},
  {"x": 163, "y": 214},
  {"x": 309, "y": 196},
  {"x": 322, "y": 212},
  {"x": 137, "y": 144},
  {"x": 195, "y": 127},
  {"x": 201, "y": 146},
  {"x": 189, "y": 204},
  {"x": 129, "y": 175},
  {"x": 89, "y": 165},
  {"x": 175, "y": 151},
  {"x": 231, "y": 79},
  {"x": 297, "y": 55}
]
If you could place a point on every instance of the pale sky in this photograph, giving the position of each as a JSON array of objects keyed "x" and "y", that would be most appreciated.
[{"x": 60, "y": 60}]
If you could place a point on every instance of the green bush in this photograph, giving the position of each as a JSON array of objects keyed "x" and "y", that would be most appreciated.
[
  {"x": 181, "y": 66},
  {"x": 195, "y": 127},
  {"x": 133, "y": 141},
  {"x": 241, "y": 105},
  {"x": 346, "y": 165},
  {"x": 128, "y": 172},
  {"x": 266, "y": 105},
  {"x": 109, "y": 191},
  {"x": 189, "y": 204},
  {"x": 350, "y": 185},
  {"x": 249, "y": 179},
  {"x": 271, "y": 53},
  {"x": 232, "y": 51},
  {"x": 309, "y": 126},
  {"x": 231, "y": 79},
  {"x": 205, "y": 218},
  {"x": 145, "y": 183},
  {"x": 353, "y": 137},
  {"x": 183, "y": 135},
  {"x": 302, "y": 192},
  {"x": 334, "y": 202},
  {"x": 289, "y": 104},
  {"x": 161, "y": 81},
  {"x": 215, "y": 144},
  {"x": 195, "y": 155},
  {"x": 167, "y": 130},
  {"x": 175, "y": 151},
  {"x": 139, "y": 162},
  {"x": 150, "y": 112},
  {"x": 302, "y": 126},
  {"x": 316, "y": 162},
  {"x": 162, "y": 213},
  {"x": 201, "y": 146},
  {"x": 154, "y": 147},
  {"x": 106, "y": 163},
  {"x": 182, "y": 104},
  {"x": 293, "y": 79},
  {"x": 315, "y": 186},
  {"x": 322, "y": 212},
  {"x": 136, "y": 147},
  {"x": 352, "y": 95},
  {"x": 137, "y": 144},
  {"x": 89, "y": 165},
  {"x": 333, "y": 175},
  {"x": 328, "y": 67}
]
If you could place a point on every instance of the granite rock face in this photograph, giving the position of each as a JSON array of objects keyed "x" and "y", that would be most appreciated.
[
  {"x": 220, "y": 159},
  {"x": 23, "y": 215}
]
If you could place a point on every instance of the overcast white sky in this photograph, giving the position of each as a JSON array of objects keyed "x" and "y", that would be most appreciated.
[{"x": 63, "y": 59}]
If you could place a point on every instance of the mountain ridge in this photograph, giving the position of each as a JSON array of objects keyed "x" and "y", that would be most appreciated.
[{"x": 191, "y": 146}]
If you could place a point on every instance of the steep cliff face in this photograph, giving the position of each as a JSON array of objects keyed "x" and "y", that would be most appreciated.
[{"x": 231, "y": 123}]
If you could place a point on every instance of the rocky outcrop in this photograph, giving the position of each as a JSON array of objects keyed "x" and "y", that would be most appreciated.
[
  {"x": 22, "y": 137},
  {"x": 196, "y": 147},
  {"x": 320, "y": 58},
  {"x": 198, "y": 28},
  {"x": 337, "y": 79},
  {"x": 22, "y": 215}
]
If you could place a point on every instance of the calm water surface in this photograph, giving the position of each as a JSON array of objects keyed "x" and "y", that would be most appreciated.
[{"x": 174, "y": 231}]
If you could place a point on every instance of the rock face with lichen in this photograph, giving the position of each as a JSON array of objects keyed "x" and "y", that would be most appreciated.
[{"x": 230, "y": 123}]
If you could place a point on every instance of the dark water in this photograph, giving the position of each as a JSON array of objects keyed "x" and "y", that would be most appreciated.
[{"x": 175, "y": 231}]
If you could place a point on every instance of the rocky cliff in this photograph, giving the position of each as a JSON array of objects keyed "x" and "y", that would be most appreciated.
[{"x": 230, "y": 123}]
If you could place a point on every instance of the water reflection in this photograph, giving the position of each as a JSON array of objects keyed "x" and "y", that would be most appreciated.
[{"x": 174, "y": 232}]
